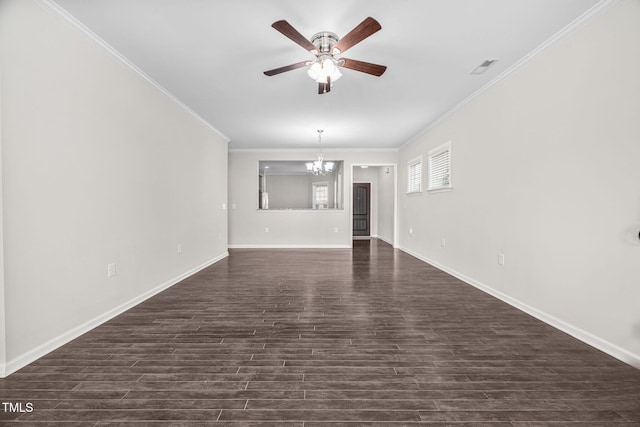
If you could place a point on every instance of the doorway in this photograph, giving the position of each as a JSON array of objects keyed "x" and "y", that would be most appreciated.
[
  {"x": 374, "y": 207},
  {"x": 361, "y": 209}
]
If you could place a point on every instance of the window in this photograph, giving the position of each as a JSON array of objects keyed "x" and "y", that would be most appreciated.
[
  {"x": 440, "y": 168},
  {"x": 320, "y": 195},
  {"x": 414, "y": 176}
]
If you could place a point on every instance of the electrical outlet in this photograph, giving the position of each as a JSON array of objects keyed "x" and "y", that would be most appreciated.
[
  {"x": 335, "y": 229},
  {"x": 111, "y": 269},
  {"x": 501, "y": 259},
  {"x": 443, "y": 242},
  {"x": 179, "y": 248},
  {"x": 266, "y": 229}
]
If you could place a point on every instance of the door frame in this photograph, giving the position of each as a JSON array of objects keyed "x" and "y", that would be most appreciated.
[{"x": 394, "y": 167}]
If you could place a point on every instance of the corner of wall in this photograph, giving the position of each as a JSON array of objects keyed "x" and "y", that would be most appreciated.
[{"x": 3, "y": 341}]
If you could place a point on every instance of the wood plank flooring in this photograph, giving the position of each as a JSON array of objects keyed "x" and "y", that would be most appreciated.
[{"x": 369, "y": 336}]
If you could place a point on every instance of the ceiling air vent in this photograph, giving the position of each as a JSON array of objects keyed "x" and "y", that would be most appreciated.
[{"x": 480, "y": 69}]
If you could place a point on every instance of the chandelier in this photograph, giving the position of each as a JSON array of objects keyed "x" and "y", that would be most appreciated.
[{"x": 319, "y": 167}]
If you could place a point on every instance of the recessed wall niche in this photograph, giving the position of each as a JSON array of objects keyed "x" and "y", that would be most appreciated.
[{"x": 288, "y": 185}]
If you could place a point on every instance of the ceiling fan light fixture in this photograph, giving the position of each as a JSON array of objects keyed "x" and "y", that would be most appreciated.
[
  {"x": 328, "y": 66},
  {"x": 315, "y": 70},
  {"x": 321, "y": 69},
  {"x": 335, "y": 74},
  {"x": 325, "y": 78}
]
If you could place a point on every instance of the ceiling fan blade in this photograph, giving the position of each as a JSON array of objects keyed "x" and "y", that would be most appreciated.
[
  {"x": 359, "y": 33},
  {"x": 287, "y": 29},
  {"x": 286, "y": 68},
  {"x": 364, "y": 67}
]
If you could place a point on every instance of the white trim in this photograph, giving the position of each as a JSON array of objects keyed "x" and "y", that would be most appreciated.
[
  {"x": 583, "y": 19},
  {"x": 576, "y": 332},
  {"x": 314, "y": 150},
  {"x": 384, "y": 240},
  {"x": 53, "y": 7},
  {"x": 289, "y": 210},
  {"x": 54, "y": 343},
  {"x": 289, "y": 246}
]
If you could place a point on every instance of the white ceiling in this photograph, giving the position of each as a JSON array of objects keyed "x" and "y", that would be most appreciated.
[{"x": 211, "y": 54}]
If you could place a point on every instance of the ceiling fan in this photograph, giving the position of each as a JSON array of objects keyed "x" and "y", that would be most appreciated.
[{"x": 326, "y": 46}]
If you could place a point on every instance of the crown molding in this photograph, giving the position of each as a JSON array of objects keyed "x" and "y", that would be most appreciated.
[
  {"x": 583, "y": 19},
  {"x": 325, "y": 150},
  {"x": 56, "y": 9}
]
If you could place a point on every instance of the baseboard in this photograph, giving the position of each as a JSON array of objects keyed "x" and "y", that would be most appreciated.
[
  {"x": 290, "y": 246},
  {"x": 385, "y": 240},
  {"x": 576, "y": 332},
  {"x": 43, "y": 349}
]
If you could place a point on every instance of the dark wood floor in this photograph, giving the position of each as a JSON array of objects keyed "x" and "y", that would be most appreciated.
[{"x": 307, "y": 338}]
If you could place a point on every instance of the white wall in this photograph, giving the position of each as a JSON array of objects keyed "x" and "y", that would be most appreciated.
[
  {"x": 386, "y": 203},
  {"x": 3, "y": 348},
  {"x": 98, "y": 167},
  {"x": 545, "y": 171},
  {"x": 308, "y": 228},
  {"x": 289, "y": 191}
]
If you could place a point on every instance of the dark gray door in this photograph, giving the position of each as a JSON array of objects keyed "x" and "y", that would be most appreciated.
[{"x": 361, "y": 209}]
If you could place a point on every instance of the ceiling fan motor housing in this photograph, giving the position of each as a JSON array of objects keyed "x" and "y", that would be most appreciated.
[{"x": 324, "y": 41}]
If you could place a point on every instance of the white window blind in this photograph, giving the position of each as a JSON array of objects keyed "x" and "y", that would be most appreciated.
[
  {"x": 414, "y": 176},
  {"x": 440, "y": 168}
]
